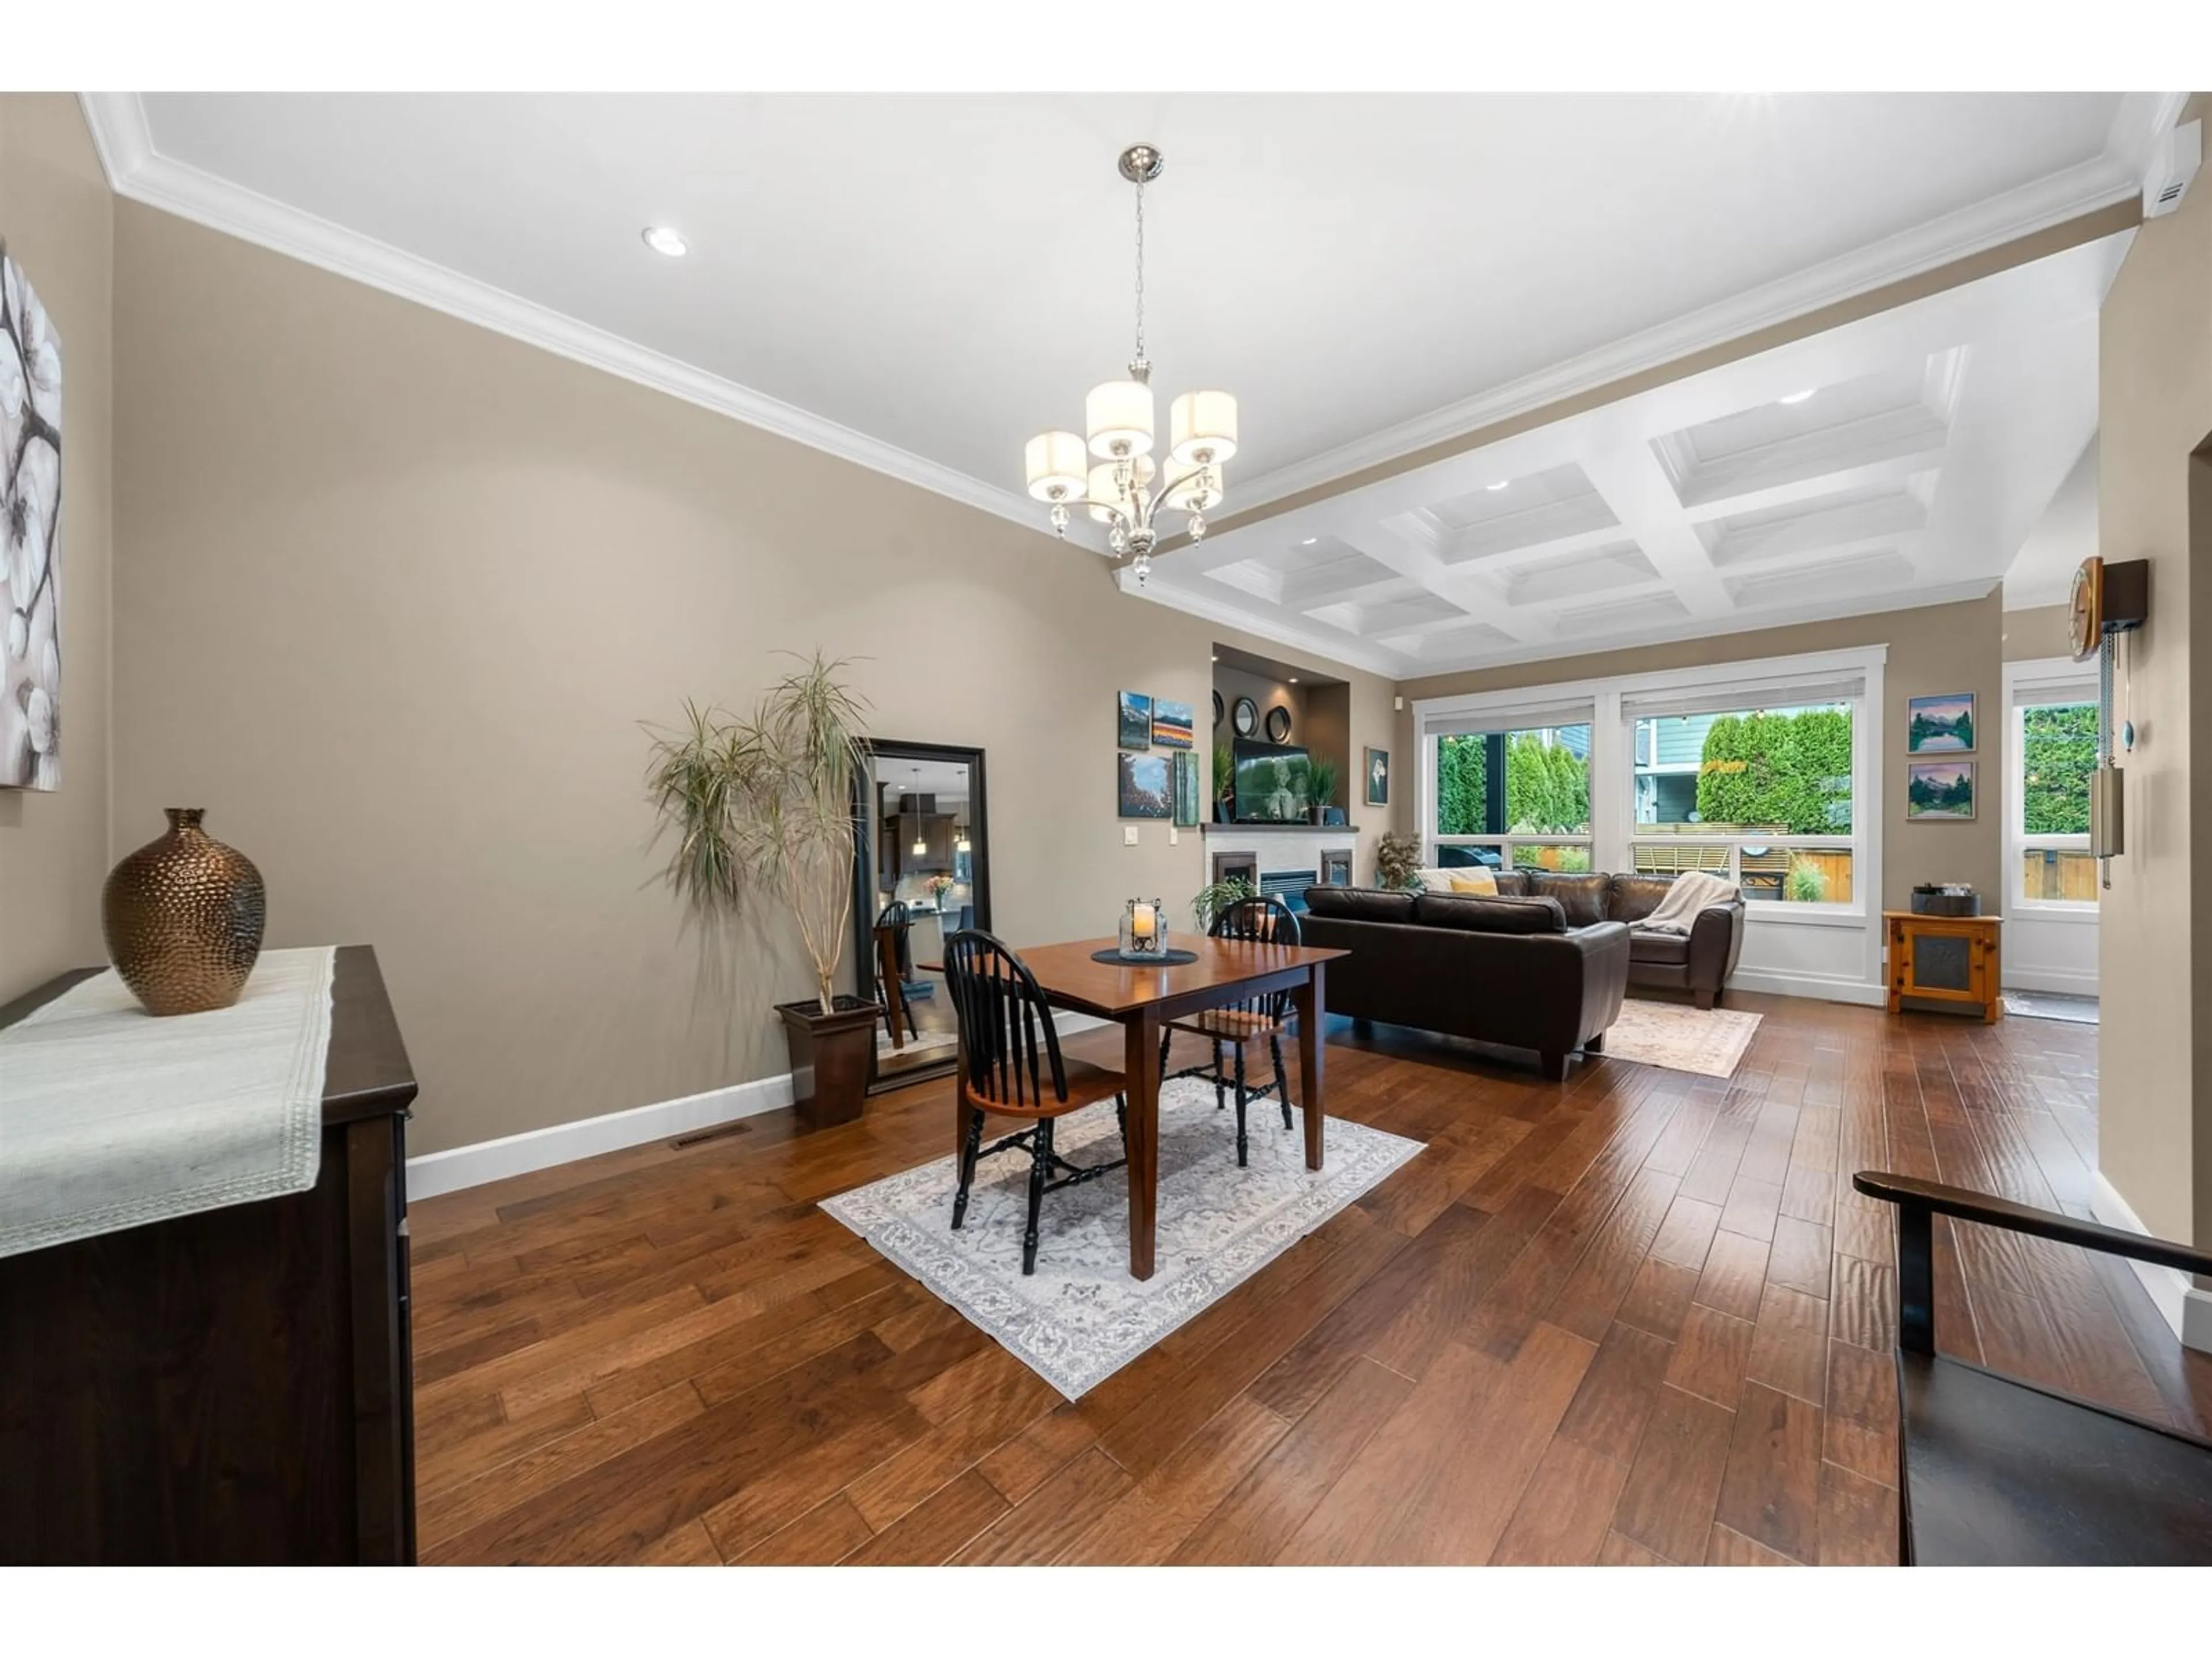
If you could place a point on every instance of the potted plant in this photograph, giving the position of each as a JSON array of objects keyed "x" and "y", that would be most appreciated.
[
  {"x": 1398, "y": 860},
  {"x": 1321, "y": 789},
  {"x": 762, "y": 808},
  {"x": 1224, "y": 783},
  {"x": 1214, "y": 897}
]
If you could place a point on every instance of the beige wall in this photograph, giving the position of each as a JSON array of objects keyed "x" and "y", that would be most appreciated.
[
  {"x": 56, "y": 215},
  {"x": 394, "y": 593},
  {"x": 2039, "y": 632},
  {"x": 2155, "y": 1134},
  {"x": 1935, "y": 648}
]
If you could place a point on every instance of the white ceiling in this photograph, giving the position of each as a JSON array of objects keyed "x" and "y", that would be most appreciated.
[
  {"x": 920, "y": 281},
  {"x": 1936, "y": 435},
  {"x": 2043, "y": 573}
]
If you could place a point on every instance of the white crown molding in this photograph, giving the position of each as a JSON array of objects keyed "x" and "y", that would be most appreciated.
[
  {"x": 137, "y": 170},
  {"x": 1324, "y": 648},
  {"x": 2085, "y": 188}
]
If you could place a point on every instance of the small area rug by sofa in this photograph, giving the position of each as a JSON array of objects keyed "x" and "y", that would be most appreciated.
[
  {"x": 1710, "y": 1042},
  {"x": 1080, "y": 1317}
]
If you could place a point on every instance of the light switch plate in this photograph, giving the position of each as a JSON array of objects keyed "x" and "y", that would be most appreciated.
[
  {"x": 1175, "y": 837},
  {"x": 1129, "y": 835}
]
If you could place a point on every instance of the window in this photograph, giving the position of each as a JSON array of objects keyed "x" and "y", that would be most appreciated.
[
  {"x": 1762, "y": 796},
  {"x": 2055, "y": 746},
  {"x": 1515, "y": 798},
  {"x": 1763, "y": 772}
]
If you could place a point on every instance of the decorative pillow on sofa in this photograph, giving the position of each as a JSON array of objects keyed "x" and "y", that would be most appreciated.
[{"x": 1478, "y": 882}]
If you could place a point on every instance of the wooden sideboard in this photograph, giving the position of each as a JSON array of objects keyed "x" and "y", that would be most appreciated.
[{"x": 232, "y": 1386}]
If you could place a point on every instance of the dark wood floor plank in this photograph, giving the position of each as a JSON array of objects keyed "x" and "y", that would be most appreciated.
[
  {"x": 1588, "y": 1239},
  {"x": 1771, "y": 1493},
  {"x": 1667, "y": 1504}
]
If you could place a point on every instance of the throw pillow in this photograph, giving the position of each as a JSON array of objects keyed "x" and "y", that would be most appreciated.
[{"x": 1474, "y": 881}]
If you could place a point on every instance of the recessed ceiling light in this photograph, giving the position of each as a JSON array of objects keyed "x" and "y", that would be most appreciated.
[
  {"x": 1500, "y": 485},
  {"x": 1294, "y": 679},
  {"x": 1309, "y": 541},
  {"x": 662, "y": 239},
  {"x": 1216, "y": 659},
  {"x": 1798, "y": 397}
]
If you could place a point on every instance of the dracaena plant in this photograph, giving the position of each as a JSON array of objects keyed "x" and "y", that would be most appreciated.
[{"x": 761, "y": 806}]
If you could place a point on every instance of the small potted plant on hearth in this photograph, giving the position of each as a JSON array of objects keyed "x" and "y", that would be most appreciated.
[{"x": 763, "y": 807}]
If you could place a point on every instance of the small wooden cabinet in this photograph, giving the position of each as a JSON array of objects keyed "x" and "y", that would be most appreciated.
[{"x": 1954, "y": 959}]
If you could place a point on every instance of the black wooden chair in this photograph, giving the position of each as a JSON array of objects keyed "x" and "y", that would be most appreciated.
[
  {"x": 1002, "y": 1016},
  {"x": 1994, "y": 1471},
  {"x": 1265, "y": 920},
  {"x": 893, "y": 928}
]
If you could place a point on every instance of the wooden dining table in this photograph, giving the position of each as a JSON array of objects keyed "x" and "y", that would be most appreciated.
[{"x": 1142, "y": 1000}]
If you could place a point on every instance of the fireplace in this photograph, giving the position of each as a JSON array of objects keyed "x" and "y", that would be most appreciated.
[
  {"x": 1287, "y": 883},
  {"x": 1336, "y": 867},
  {"x": 1236, "y": 866}
]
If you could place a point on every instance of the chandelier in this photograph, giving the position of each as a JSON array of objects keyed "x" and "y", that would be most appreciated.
[{"x": 1110, "y": 469}]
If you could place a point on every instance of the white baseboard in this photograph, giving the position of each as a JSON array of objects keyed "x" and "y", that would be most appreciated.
[
  {"x": 2187, "y": 1309},
  {"x": 2058, "y": 982},
  {"x": 1809, "y": 985},
  {"x": 449, "y": 1172}
]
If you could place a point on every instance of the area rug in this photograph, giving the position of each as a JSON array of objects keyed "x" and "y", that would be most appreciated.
[
  {"x": 1709, "y": 1042},
  {"x": 2051, "y": 1005},
  {"x": 1080, "y": 1317}
]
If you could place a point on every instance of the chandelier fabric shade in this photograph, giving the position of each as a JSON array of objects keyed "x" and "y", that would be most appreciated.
[
  {"x": 1119, "y": 430},
  {"x": 1057, "y": 466},
  {"x": 1203, "y": 428},
  {"x": 1118, "y": 415}
]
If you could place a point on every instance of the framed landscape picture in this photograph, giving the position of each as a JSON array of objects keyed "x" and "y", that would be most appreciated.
[
  {"x": 1378, "y": 777},
  {"x": 1135, "y": 721},
  {"x": 1938, "y": 790},
  {"x": 1145, "y": 789},
  {"x": 1171, "y": 724},
  {"x": 1939, "y": 726}
]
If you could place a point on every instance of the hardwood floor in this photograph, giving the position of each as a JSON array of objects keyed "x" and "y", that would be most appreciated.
[{"x": 1639, "y": 1317}]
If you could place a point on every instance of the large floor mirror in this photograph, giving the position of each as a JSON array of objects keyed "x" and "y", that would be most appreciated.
[{"x": 923, "y": 871}]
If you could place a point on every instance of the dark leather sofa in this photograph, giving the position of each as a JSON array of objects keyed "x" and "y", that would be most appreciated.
[
  {"x": 1699, "y": 963},
  {"x": 1505, "y": 970}
]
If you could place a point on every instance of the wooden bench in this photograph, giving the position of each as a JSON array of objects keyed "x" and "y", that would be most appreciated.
[{"x": 1992, "y": 1472}]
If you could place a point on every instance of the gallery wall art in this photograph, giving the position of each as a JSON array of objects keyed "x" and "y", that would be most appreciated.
[
  {"x": 1939, "y": 790},
  {"x": 1377, "y": 768},
  {"x": 1172, "y": 724},
  {"x": 1133, "y": 719},
  {"x": 30, "y": 536},
  {"x": 1145, "y": 792},
  {"x": 1939, "y": 726}
]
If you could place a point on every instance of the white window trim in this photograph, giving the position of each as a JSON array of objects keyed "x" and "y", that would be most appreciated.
[
  {"x": 1612, "y": 765},
  {"x": 2064, "y": 678}
]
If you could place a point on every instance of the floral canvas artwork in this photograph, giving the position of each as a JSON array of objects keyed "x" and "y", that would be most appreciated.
[{"x": 30, "y": 536}]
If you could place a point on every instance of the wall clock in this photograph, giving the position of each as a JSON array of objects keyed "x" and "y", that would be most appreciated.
[
  {"x": 1279, "y": 724},
  {"x": 1244, "y": 717},
  {"x": 2085, "y": 608}
]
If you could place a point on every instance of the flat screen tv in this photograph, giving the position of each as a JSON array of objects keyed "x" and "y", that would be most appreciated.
[{"x": 1270, "y": 782}]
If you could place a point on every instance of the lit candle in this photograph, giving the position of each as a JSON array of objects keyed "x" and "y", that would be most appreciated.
[{"x": 1141, "y": 923}]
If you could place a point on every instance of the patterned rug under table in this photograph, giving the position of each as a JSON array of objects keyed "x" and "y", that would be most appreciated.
[{"x": 1080, "y": 1317}]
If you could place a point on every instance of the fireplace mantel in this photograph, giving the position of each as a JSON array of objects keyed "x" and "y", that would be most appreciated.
[{"x": 1234, "y": 829}]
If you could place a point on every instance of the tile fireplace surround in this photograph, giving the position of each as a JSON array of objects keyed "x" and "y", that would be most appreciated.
[{"x": 1286, "y": 859}]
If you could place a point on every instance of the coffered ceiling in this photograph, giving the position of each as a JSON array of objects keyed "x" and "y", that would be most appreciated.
[
  {"x": 918, "y": 282},
  {"x": 1902, "y": 460}
]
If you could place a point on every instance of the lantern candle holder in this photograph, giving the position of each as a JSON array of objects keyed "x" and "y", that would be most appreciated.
[{"x": 1144, "y": 936}]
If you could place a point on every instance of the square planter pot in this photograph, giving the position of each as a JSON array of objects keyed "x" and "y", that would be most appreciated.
[{"x": 829, "y": 1058}]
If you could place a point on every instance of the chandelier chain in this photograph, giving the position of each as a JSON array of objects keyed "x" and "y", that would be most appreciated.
[{"x": 1140, "y": 271}]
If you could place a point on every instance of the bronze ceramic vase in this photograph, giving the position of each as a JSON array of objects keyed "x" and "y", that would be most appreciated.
[{"x": 183, "y": 918}]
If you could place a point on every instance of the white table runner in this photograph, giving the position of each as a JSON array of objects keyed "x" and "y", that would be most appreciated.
[{"x": 111, "y": 1118}]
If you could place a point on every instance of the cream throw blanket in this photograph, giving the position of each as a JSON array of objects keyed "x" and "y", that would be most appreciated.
[
  {"x": 1693, "y": 889},
  {"x": 111, "y": 1118}
]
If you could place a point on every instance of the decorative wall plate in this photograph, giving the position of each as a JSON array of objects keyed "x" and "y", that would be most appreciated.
[
  {"x": 1245, "y": 716},
  {"x": 1279, "y": 724}
]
